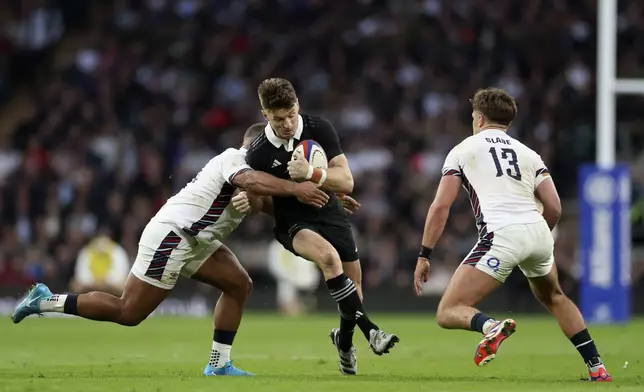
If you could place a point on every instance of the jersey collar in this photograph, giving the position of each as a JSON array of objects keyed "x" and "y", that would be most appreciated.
[
  {"x": 288, "y": 144},
  {"x": 492, "y": 130}
]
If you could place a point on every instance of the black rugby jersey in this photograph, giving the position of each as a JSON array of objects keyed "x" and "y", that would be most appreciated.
[{"x": 270, "y": 154}]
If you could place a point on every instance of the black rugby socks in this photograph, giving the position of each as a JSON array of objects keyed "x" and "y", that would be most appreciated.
[
  {"x": 586, "y": 347},
  {"x": 344, "y": 291}
]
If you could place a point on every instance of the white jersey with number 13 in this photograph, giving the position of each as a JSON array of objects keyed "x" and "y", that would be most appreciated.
[{"x": 500, "y": 175}]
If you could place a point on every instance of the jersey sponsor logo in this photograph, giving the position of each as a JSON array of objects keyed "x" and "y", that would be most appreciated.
[
  {"x": 275, "y": 164},
  {"x": 171, "y": 278},
  {"x": 493, "y": 263}
]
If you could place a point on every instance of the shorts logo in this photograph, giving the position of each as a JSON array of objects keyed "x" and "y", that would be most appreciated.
[
  {"x": 293, "y": 229},
  {"x": 171, "y": 278},
  {"x": 493, "y": 263}
]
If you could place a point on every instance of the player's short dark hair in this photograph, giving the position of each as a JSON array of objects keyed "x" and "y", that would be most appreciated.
[
  {"x": 496, "y": 105},
  {"x": 276, "y": 93},
  {"x": 252, "y": 132}
]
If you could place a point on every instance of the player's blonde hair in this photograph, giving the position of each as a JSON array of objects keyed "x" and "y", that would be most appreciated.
[{"x": 496, "y": 105}]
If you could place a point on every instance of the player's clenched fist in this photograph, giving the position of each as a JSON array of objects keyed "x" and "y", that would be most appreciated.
[
  {"x": 420, "y": 275},
  {"x": 308, "y": 193},
  {"x": 298, "y": 168},
  {"x": 241, "y": 202}
]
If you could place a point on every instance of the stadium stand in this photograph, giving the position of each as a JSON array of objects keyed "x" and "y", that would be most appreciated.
[{"x": 127, "y": 101}]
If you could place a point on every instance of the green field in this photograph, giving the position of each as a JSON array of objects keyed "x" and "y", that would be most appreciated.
[{"x": 168, "y": 354}]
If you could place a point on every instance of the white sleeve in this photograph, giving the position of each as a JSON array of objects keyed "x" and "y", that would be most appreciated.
[
  {"x": 541, "y": 173},
  {"x": 82, "y": 273},
  {"x": 232, "y": 162},
  {"x": 452, "y": 166},
  {"x": 120, "y": 267}
]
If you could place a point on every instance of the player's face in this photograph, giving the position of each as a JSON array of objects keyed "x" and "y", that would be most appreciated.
[{"x": 283, "y": 121}]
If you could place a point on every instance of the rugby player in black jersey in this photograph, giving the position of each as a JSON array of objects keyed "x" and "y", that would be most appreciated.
[{"x": 321, "y": 235}]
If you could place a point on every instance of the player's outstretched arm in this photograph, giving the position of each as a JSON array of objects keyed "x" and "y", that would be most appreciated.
[
  {"x": 547, "y": 193},
  {"x": 439, "y": 209},
  {"x": 434, "y": 226},
  {"x": 264, "y": 184}
]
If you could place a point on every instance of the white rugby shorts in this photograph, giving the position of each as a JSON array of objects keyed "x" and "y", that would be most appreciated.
[
  {"x": 528, "y": 246},
  {"x": 165, "y": 252}
]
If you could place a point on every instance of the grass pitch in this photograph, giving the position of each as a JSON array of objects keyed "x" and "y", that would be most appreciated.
[{"x": 167, "y": 354}]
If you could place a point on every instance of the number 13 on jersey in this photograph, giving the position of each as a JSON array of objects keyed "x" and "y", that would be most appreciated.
[{"x": 510, "y": 156}]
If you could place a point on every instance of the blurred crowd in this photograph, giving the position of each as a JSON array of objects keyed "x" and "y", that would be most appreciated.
[{"x": 155, "y": 88}]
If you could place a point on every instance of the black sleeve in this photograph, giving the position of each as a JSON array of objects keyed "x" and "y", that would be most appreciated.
[
  {"x": 254, "y": 159},
  {"x": 328, "y": 138}
]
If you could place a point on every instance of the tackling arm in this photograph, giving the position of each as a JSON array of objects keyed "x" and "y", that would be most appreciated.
[
  {"x": 261, "y": 183},
  {"x": 239, "y": 173}
]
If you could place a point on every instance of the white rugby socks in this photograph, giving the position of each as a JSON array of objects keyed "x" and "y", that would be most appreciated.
[
  {"x": 55, "y": 303},
  {"x": 219, "y": 355},
  {"x": 488, "y": 325}
]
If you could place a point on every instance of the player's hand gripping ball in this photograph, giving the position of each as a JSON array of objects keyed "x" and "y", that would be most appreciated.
[{"x": 307, "y": 156}]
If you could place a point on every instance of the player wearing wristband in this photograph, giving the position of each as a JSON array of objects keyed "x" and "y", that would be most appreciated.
[
  {"x": 502, "y": 177},
  {"x": 322, "y": 235}
]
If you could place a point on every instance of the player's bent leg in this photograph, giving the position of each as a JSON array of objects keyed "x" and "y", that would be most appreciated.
[
  {"x": 137, "y": 302},
  {"x": 340, "y": 235},
  {"x": 342, "y": 337},
  {"x": 223, "y": 271},
  {"x": 313, "y": 247},
  {"x": 548, "y": 291},
  {"x": 379, "y": 340},
  {"x": 469, "y": 286}
]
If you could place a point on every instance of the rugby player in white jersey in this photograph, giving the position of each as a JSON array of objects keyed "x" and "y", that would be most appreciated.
[
  {"x": 502, "y": 177},
  {"x": 184, "y": 238}
]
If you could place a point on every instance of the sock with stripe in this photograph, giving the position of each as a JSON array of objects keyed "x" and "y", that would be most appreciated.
[
  {"x": 586, "y": 347},
  {"x": 481, "y": 322},
  {"x": 344, "y": 291},
  {"x": 60, "y": 303},
  {"x": 222, "y": 343}
]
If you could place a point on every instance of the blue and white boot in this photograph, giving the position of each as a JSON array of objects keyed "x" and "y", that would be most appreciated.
[
  {"x": 31, "y": 304},
  {"x": 227, "y": 370}
]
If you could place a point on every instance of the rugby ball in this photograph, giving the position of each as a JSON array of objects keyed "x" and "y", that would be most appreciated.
[{"x": 312, "y": 152}]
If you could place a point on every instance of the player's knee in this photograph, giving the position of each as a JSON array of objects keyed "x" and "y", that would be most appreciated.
[
  {"x": 328, "y": 259},
  {"x": 242, "y": 288},
  {"x": 131, "y": 318},
  {"x": 442, "y": 313},
  {"x": 441, "y": 317},
  {"x": 245, "y": 287},
  {"x": 249, "y": 285},
  {"x": 129, "y": 315}
]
